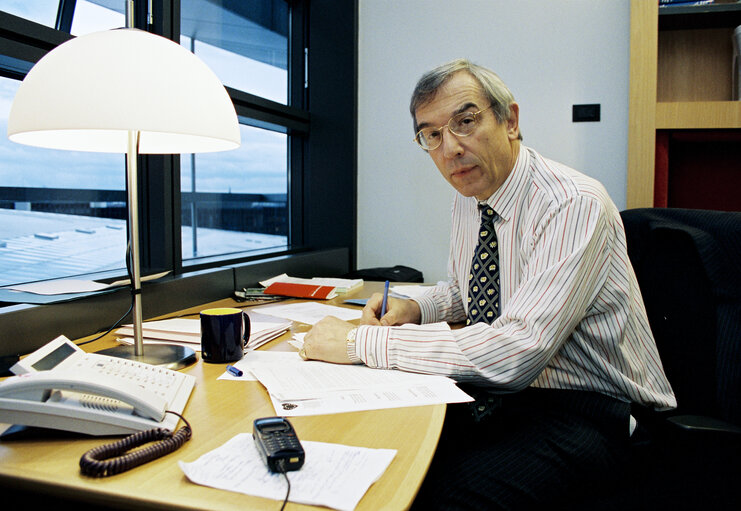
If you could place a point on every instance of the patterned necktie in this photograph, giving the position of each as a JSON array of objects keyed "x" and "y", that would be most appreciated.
[{"x": 483, "y": 281}]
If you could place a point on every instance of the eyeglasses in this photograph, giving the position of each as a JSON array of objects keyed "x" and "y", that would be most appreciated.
[{"x": 460, "y": 125}]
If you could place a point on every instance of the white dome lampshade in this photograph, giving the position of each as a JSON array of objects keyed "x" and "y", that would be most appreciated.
[
  {"x": 89, "y": 92},
  {"x": 126, "y": 91}
]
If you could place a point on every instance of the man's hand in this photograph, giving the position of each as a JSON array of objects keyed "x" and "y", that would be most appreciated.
[
  {"x": 327, "y": 341},
  {"x": 399, "y": 312}
]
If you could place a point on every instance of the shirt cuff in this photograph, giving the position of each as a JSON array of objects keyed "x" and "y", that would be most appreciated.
[
  {"x": 371, "y": 345},
  {"x": 427, "y": 309},
  {"x": 351, "y": 351}
]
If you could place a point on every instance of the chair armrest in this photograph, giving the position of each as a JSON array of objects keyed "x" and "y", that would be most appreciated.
[
  {"x": 703, "y": 423},
  {"x": 703, "y": 426}
]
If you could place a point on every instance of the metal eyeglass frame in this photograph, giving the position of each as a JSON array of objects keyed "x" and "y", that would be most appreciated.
[{"x": 461, "y": 115}]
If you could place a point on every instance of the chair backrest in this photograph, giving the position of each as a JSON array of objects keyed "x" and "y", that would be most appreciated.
[{"x": 688, "y": 264}]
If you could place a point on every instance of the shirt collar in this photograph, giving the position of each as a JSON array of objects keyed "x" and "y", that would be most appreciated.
[{"x": 503, "y": 201}]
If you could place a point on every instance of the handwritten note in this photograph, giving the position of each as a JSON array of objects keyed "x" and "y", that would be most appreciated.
[{"x": 333, "y": 475}]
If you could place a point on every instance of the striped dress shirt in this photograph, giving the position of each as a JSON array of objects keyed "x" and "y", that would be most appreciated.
[{"x": 572, "y": 315}]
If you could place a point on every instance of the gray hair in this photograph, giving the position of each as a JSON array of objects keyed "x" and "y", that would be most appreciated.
[{"x": 492, "y": 86}]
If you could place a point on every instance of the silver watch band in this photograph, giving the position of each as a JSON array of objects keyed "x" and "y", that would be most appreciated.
[{"x": 351, "y": 354}]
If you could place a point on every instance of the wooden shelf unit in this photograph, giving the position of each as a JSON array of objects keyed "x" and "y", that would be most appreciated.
[
  {"x": 698, "y": 115},
  {"x": 680, "y": 79}
]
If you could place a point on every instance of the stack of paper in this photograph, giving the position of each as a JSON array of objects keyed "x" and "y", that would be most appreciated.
[
  {"x": 309, "y": 313},
  {"x": 187, "y": 332},
  {"x": 265, "y": 328},
  {"x": 178, "y": 331},
  {"x": 317, "y": 287},
  {"x": 410, "y": 290},
  {"x": 299, "y": 387}
]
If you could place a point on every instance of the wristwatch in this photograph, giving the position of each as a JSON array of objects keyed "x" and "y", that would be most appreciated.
[{"x": 354, "y": 358}]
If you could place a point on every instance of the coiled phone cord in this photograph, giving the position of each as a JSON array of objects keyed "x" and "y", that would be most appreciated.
[{"x": 108, "y": 460}]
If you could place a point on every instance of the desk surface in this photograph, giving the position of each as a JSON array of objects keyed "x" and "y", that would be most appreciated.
[{"x": 217, "y": 411}]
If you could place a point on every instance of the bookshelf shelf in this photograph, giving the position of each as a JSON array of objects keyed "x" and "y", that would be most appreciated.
[
  {"x": 698, "y": 115},
  {"x": 681, "y": 80},
  {"x": 672, "y": 17}
]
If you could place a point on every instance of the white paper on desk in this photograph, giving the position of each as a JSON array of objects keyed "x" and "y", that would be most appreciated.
[
  {"x": 187, "y": 332},
  {"x": 260, "y": 357},
  {"x": 178, "y": 330},
  {"x": 58, "y": 287},
  {"x": 265, "y": 328},
  {"x": 145, "y": 340},
  {"x": 333, "y": 475},
  {"x": 373, "y": 399},
  {"x": 313, "y": 379},
  {"x": 297, "y": 340},
  {"x": 176, "y": 325},
  {"x": 65, "y": 286},
  {"x": 309, "y": 312},
  {"x": 410, "y": 291}
]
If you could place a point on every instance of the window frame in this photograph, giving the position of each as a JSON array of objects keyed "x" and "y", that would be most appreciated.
[{"x": 321, "y": 121}]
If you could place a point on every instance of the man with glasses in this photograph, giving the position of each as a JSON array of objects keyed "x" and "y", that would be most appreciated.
[{"x": 556, "y": 344}]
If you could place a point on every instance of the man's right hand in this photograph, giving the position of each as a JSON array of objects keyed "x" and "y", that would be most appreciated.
[{"x": 399, "y": 312}]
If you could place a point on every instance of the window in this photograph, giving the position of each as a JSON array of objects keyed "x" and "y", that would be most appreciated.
[
  {"x": 40, "y": 11},
  {"x": 244, "y": 43},
  {"x": 284, "y": 201},
  {"x": 62, "y": 213},
  {"x": 85, "y": 15},
  {"x": 233, "y": 205},
  {"x": 237, "y": 201}
]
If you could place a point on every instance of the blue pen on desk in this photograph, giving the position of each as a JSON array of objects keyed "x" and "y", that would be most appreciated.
[
  {"x": 385, "y": 298},
  {"x": 234, "y": 371}
]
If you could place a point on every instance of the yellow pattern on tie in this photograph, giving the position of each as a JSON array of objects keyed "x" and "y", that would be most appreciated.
[{"x": 483, "y": 292}]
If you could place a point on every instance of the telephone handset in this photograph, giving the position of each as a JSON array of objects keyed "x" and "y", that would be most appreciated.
[
  {"x": 40, "y": 387},
  {"x": 61, "y": 387}
]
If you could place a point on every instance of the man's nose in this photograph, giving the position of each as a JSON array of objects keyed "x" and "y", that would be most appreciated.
[{"x": 451, "y": 146}]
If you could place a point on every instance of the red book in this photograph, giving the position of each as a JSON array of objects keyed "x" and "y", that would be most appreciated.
[{"x": 301, "y": 290}]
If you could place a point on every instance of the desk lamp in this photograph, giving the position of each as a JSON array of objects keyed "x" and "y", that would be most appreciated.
[{"x": 126, "y": 91}]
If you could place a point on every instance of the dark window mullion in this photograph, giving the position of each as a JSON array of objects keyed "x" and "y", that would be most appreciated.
[
  {"x": 159, "y": 175},
  {"x": 65, "y": 13},
  {"x": 297, "y": 94},
  {"x": 160, "y": 211}
]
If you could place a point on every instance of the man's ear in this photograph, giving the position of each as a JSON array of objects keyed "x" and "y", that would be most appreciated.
[{"x": 513, "y": 123}]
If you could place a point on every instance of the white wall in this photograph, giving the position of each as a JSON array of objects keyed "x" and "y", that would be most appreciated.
[{"x": 551, "y": 53}]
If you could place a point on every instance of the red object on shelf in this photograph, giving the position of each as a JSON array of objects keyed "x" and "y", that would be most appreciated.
[{"x": 301, "y": 290}]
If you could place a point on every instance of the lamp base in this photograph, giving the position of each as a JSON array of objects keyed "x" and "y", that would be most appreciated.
[{"x": 171, "y": 356}]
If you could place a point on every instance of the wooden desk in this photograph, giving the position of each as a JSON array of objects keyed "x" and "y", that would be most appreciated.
[{"x": 46, "y": 464}]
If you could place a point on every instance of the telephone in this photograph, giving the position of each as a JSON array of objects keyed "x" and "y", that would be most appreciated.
[
  {"x": 278, "y": 444},
  {"x": 60, "y": 386}
]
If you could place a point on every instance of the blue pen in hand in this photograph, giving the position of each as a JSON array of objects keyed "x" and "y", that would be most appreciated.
[
  {"x": 234, "y": 371},
  {"x": 385, "y": 299}
]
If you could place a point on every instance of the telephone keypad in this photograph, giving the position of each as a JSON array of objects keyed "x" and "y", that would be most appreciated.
[{"x": 157, "y": 380}]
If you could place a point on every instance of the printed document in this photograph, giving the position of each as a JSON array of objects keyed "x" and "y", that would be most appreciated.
[
  {"x": 298, "y": 387},
  {"x": 333, "y": 475}
]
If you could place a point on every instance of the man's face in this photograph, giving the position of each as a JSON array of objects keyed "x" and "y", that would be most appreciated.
[{"x": 478, "y": 164}]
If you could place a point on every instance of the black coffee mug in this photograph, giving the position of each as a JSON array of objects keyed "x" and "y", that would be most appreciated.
[{"x": 224, "y": 334}]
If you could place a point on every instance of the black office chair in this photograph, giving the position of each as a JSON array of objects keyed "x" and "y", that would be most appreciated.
[{"x": 688, "y": 264}]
